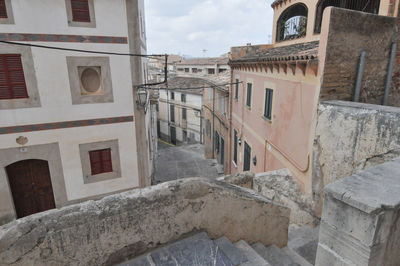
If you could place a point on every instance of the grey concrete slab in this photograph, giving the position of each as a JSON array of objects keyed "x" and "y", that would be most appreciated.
[
  {"x": 142, "y": 261},
  {"x": 274, "y": 255},
  {"x": 254, "y": 259}
]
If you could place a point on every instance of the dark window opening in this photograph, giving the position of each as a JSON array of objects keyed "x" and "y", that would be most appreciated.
[
  {"x": 371, "y": 6},
  {"x": 3, "y": 9},
  {"x": 12, "y": 79},
  {"x": 247, "y": 157},
  {"x": 235, "y": 143},
  {"x": 292, "y": 24},
  {"x": 211, "y": 71},
  {"x": 221, "y": 70},
  {"x": 237, "y": 89},
  {"x": 216, "y": 142},
  {"x": 100, "y": 161},
  {"x": 248, "y": 99},
  {"x": 172, "y": 96},
  {"x": 183, "y": 98},
  {"x": 172, "y": 110},
  {"x": 187, "y": 70},
  {"x": 184, "y": 113},
  {"x": 268, "y": 103},
  {"x": 80, "y": 10},
  {"x": 194, "y": 70}
]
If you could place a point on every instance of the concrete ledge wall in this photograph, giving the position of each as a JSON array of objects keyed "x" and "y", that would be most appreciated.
[
  {"x": 242, "y": 179},
  {"x": 361, "y": 219},
  {"x": 351, "y": 137},
  {"x": 123, "y": 226}
]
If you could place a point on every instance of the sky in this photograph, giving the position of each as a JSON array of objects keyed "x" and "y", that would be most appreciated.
[{"x": 188, "y": 27}]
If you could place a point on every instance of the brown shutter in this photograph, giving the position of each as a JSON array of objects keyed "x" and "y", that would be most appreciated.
[
  {"x": 80, "y": 10},
  {"x": 12, "y": 79},
  {"x": 3, "y": 9},
  {"x": 100, "y": 161}
]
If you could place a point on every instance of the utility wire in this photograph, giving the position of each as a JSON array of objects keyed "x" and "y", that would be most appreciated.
[
  {"x": 203, "y": 87},
  {"x": 78, "y": 50}
]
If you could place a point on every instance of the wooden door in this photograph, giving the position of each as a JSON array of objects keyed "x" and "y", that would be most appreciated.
[
  {"x": 31, "y": 187},
  {"x": 173, "y": 135}
]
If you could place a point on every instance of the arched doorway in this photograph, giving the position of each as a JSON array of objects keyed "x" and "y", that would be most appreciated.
[{"x": 31, "y": 187}]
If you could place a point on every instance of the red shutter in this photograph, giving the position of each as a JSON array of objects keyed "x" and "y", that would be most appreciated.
[
  {"x": 80, "y": 10},
  {"x": 3, "y": 9},
  {"x": 12, "y": 79},
  {"x": 100, "y": 161}
]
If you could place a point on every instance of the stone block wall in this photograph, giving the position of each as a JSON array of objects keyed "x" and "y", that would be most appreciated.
[
  {"x": 360, "y": 220},
  {"x": 351, "y": 137},
  {"x": 348, "y": 34},
  {"x": 123, "y": 226}
]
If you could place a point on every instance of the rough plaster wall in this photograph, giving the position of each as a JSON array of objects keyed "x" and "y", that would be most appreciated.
[
  {"x": 351, "y": 137},
  {"x": 123, "y": 226},
  {"x": 280, "y": 186},
  {"x": 350, "y": 33}
]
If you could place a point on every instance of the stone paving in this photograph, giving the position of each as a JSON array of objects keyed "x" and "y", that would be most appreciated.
[{"x": 176, "y": 162}]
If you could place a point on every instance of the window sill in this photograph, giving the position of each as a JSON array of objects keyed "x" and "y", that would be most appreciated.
[{"x": 266, "y": 119}]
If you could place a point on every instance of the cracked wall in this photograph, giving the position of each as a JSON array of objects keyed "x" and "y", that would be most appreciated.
[{"x": 351, "y": 137}]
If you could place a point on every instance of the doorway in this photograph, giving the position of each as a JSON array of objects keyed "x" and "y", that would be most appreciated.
[{"x": 31, "y": 187}]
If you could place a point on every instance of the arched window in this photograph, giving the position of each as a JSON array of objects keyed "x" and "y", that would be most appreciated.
[
  {"x": 368, "y": 6},
  {"x": 292, "y": 24}
]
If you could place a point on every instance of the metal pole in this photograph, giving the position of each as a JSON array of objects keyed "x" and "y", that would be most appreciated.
[
  {"x": 360, "y": 73},
  {"x": 390, "y": 73},
  {"x": 213, "y": 131}
]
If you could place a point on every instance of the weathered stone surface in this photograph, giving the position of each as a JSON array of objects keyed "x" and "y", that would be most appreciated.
[
  {"x": 123, "y": 226},
  {"x": 232, "y": 252},
  {"x": 351, "y": 137},
  {"x": 280, "y": 186},
  {"x": 242, "y": 179},
  {"x": 360, "y": 221}
]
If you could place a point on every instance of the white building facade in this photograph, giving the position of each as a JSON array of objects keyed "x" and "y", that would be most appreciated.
[{"x": 68, "y": 121}]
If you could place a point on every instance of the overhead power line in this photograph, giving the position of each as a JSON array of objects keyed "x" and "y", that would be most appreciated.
[
  {"x": 79, "y": 50},
  {"x": 203, "y": 87}
]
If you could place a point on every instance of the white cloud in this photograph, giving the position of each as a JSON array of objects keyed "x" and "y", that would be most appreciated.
[{"x": 189, "y": 26}]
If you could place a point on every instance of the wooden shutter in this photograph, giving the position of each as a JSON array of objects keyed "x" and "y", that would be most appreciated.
[
  {"x": 12, "y": 79},
  {"x": 80, "y": 10},
  {"x": 3, "y": 9},
  {"x": 100, "y": 161}
]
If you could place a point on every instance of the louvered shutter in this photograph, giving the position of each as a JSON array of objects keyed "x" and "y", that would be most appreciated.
[
  {"x": 100, "y": 161},
  {"x": 80, "y": 10},
  {"x": 12, "y": 79},
  {"x": 3, "y": 9}
]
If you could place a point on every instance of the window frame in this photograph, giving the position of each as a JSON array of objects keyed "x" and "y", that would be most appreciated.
[
  {"x": 249, "y": 91},
  {"x": 70, "y": 17},
  {"x": 9, "y": 19},
  {"x": 102, "y": 162},
  {"x": 268, "y": 103}
]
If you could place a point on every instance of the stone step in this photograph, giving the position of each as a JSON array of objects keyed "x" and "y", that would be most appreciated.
[
  {"x": 254, "y": 259},
  {"x": 195, "y": 250},
  {"x": 296, "y": 257},
  {"x": 274, "y": 255},
  {"x": 232, "y": 252},
  {"x": 304, "y": 241},
  {"x": 141, "y": 260}
]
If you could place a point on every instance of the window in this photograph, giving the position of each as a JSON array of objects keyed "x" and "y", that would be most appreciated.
[
  {"x": 3, "y": 9},
  {"x": 187, "y": 70},
  {"x": 172, "y": 111},
  {"x": 157, "y": 108},
  {"x": 248, "y": 99},
  {"x": 236, "y": 89},
  {"x": 80, "y": 10},
  {"x": 221, "y": 70},
  {"x": 184, "y": 113},
  {"x": 100, "y": 161},
  {"x": 180, "y": 69},
  {"x": 12, "y": 79},
  {"x": 183, "y": 98},
  {"x": 371, "y": 6},
  {"x": 217, "y": 101},
  {"x": 216, "y": 141},
  {"x": 268, "y": 103},
  {"x": 211, "y": 71},
  {"x": 194, "y": 70},
  {"x": 172, "y": 96},
  {"x": 222, "y": 105},
  {"x": 235, "y": 143},
  {"x": 292, "y": 24}
]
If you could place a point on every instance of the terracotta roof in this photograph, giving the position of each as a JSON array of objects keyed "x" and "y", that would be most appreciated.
[
  {"x": 205, "y": 61},
  {"x": 300, "y": 51},
  {"x": 187, "y": 84}
]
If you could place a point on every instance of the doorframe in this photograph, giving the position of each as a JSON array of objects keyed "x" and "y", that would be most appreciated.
[{"x": 46, "y": 152}]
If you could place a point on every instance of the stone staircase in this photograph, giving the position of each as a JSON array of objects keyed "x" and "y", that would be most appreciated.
[{"x": 200, "y": 250}]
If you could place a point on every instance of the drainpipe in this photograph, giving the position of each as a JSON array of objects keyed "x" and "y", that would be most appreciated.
[
  {"x": 390, "y": 73},
  {"x": 360, "y": 73}
]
